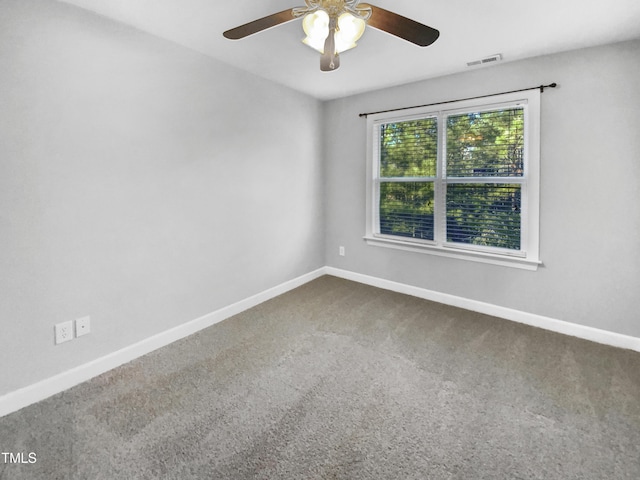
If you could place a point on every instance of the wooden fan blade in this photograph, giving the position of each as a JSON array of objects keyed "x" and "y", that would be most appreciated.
[
  {"x": 402, "y": 27},
  {"x": 260, "y": 24}
]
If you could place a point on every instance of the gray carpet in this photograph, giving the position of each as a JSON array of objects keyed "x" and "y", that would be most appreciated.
[{"x": 337, "y": 380}]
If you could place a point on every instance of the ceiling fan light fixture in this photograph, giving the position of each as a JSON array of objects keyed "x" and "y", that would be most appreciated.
[{"x": 316, "y": 26}]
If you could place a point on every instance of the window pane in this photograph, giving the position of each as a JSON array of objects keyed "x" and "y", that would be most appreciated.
[
  {"x": 486, "y": 144},
  {"x": 409, "y": 149},
  {"x": 484, "y": 214},
  {"x": 406, "y": 209}
]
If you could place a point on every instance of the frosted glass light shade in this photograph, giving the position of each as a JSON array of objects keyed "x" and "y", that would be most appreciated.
[
  {"x": 316, "y": 26},
  {"x": 349, "y": 31}
]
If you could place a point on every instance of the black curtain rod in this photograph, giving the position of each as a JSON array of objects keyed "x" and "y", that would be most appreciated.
[{"x": 541, "y": 87}]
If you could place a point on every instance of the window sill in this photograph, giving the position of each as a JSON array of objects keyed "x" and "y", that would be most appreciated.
[{"x": 452, "y": 252}]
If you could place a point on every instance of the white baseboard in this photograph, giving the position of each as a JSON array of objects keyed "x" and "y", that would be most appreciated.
[
  {"x": 573, "y": 329},
  {"x": 36, "y": 392}
]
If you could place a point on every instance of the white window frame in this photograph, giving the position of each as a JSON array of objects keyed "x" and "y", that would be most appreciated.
[{"x": 528, "y": 255}]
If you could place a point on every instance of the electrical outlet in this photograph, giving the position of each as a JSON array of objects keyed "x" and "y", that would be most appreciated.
[
  {"x": 341, "y": 251},
  {"x": 64, "y": 332},
  {"x": 83, "y": 326}
]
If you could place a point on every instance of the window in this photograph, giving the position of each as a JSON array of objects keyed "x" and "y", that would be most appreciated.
[{"x": 459, "y": 181}]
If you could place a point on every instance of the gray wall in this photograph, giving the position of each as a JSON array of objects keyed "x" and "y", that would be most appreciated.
[
  {"x": 140, "y": 183},
  {"x": 590, "y": 195}
]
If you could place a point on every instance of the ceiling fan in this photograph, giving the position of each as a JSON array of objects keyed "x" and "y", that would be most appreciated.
[{"x": 334, "y": 26}]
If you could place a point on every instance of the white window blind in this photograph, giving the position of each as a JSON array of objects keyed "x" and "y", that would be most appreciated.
[
  {"x": 408, "y": 170},
  {"x": 462, "y": 181}
]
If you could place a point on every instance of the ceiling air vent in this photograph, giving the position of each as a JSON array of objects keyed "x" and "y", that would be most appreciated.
[{"x": 492, "y": 59}]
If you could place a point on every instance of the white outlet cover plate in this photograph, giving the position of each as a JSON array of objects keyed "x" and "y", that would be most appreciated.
[{"x": 64, "y": 332}]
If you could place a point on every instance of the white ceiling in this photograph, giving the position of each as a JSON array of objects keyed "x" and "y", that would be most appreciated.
[{"x": 469, "y": 30}]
